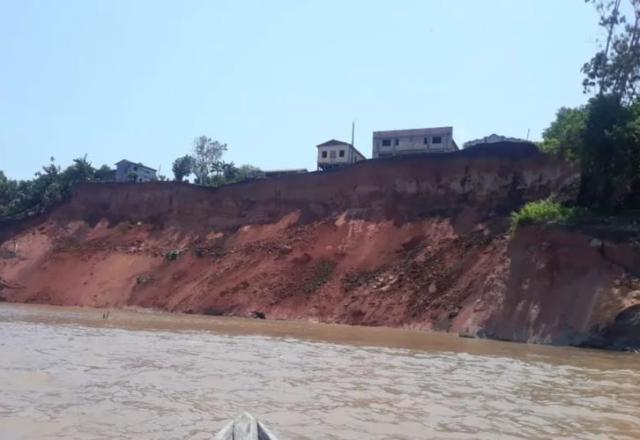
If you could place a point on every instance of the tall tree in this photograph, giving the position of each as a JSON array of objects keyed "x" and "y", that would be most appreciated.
[
  {"x": 80, "y": 170},
  {"x": 182, "y": 167},
  {"x": 615, "y": 68},
  {"x": 603, "y": 136},
  {"x": 208, "y": 154}
]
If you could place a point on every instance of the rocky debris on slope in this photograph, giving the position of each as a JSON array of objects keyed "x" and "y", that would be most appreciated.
[
  {"x": 425, "y": 274},
  {"x": 545, "y": 286}
]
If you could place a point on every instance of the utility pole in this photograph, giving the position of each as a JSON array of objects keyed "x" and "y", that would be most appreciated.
[{"x": 353, "y": 131}]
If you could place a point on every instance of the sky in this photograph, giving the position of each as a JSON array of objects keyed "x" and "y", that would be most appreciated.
[{"x": 140, "y": 79}]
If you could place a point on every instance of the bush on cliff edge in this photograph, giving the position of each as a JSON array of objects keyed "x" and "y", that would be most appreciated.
[{"x": 543, "y": 211}]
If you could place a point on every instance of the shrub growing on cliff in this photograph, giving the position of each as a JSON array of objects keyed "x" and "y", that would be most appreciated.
[
  {"x": 543, "y": 211},
  {"x": 172, "y": 255}
]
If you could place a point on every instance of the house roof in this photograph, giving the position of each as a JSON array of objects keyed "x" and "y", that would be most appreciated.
[
  {"x": 140, "y": 164},
  {"x": 414, "y": 132},
  {"x": 333, "y": 142},
  {"x": 356, "y": 150}
]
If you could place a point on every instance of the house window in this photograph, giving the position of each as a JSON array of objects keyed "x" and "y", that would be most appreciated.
[
  {"x": 341, "y": 154},
  {"x": 332, "y": 154},
  {"x": 436, "y": 140},
  {"x": 324, "y": 154},
  {"x": 135, "y": 168},
  {"x": 426, "y": 141},
  {"x": 397, "y": 141},
  {"x": 386, "y": 142}
]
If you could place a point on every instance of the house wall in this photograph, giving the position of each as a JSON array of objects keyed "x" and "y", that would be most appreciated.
[
  {"x": 142, "y": 173},
  {"x": 357, "y": 157},
  {"x": 335, "y": 150},
  {"x": 412, "y": 142}
]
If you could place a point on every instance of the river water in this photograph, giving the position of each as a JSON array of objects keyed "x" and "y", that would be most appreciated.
[{"x": 68, "y": 373}]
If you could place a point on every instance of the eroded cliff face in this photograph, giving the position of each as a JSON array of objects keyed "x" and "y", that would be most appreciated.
[
  {"x": 568, "y": 285},
  {"x": 419, "y": 242}
]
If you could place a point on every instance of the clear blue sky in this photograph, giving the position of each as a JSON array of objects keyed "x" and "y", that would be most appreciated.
[{"x": 140, "y": 79}]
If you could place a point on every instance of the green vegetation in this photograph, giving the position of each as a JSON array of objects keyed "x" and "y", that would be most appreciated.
[
  {"x": 25, "y": 198},
  {"x": 182, "y": 167},
  {"x": 544, "y": 211},
  {"x": 172, "y": 255},
  {"x": 322, "y": 273},
  {"x": 603, "y": 136},
  {"x": 207, "y": 166}
]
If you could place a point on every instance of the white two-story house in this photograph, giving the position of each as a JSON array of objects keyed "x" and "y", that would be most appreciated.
[
  {"x": 334, "y": 153},
  {"x": 414, "y": 141}
]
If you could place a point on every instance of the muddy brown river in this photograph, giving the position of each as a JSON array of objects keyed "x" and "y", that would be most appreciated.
[{"x": 68, "y": 373}]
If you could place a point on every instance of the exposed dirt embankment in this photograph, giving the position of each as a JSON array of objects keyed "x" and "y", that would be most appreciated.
[
  {"x": 465, "y": 187},
  {"x": 573, "y": 286},
  {"x": 417, "y": 242}
]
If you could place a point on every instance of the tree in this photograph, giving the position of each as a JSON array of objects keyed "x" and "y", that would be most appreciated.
[
  {"x": 250, "y": 172},
  {"x": 230, "y": 173},
  {"x": 603, "y": 137},
  {"x": 615, "y": 68},
  {"x": 79, "y": 171},
  {"x": 8, "y": 189},
  {"x": 19, "y": 199},
  {"x": 104, "y": 173},
  {"x": 564, "y": 137},
  {"x": 183, "y": 167},
  {"x": 207, "y": 155}
]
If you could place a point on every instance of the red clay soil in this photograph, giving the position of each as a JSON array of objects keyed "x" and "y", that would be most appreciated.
[
  {"x": 337, "y": 270},
  {"x": 399, "y": 243}
]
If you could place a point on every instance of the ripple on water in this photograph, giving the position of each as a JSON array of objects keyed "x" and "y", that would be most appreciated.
[{"x": 78, "y": 382}]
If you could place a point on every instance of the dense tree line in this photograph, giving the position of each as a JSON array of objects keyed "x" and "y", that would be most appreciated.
[
  {"x": 24, "y": 198},
  {"x": 52, "y": 184},
  {"x": 603, "y": 136}
]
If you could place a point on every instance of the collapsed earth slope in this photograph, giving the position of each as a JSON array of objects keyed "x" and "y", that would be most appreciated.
[{"x": 417, "y": 242}]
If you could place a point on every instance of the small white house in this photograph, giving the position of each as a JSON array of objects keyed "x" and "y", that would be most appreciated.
[
  {"x": 127, "y": 171},
  {"x": 334, "y": 153}
]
